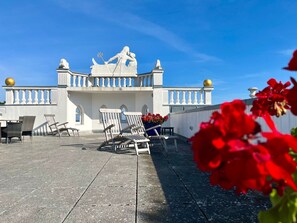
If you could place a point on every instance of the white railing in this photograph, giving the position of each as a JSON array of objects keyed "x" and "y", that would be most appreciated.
[
  {"x": 145, "y": 80},
  {"x": 83, "y": 80},
  {"x": 31, "y": 95},
  {"x": 80, "y": 80},
  {"x": 185, "y": 96}
]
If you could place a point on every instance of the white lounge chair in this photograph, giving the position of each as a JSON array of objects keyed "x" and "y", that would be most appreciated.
[
  {"x": 134, "y": 118},
  {"x": 116, "y": 136},
  {"x": 57, "y": 128}
]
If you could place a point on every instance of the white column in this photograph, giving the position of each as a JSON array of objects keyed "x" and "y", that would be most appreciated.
[
  {"x": 103, "y": 80},
  {"x": 78, "y": 81},
  {"x": 130, "y": 82},
  {"x": 113, "y": 82},
  {"x": 125, "y": 80},
  {"x": 177, "y": 97},
  {"x": 90, "y": 84},
  {"x": 195, "y": 98},
  {"x": 29, "y": 96},
  {"x": 184, "y": 97},
  {"x": 108, "y": 81},
  {"x": 16, "y": 96},
  {"x": 41, "y": 96},
  {"x": 201, "y": 97},
  {"x": 35, "y": 97},
  {"x": 73, "y": 81},
  {"x": 171, "y": 97},
  {"x": 189, "y": 97},
  {"x": 23, "y": 96},
  {"x": 47, "y": 101}
]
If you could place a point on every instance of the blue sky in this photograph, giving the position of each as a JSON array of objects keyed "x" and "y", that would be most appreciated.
[{"x": 236, "y": 43}]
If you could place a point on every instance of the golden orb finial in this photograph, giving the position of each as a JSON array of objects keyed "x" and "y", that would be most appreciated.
[
  {"x": 9, "y": 81},
  {"x": 207, "y": 83}
]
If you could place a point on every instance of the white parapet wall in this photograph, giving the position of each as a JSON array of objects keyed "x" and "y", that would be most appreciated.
[
  {"x": 186, "y": 123},
  {"x": 12, "y": 112}
]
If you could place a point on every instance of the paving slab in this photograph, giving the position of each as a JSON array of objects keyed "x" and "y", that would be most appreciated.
[{"x": 67, "y": 179}]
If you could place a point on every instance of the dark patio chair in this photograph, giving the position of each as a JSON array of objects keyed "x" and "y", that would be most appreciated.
[
  {"x": 27, "y": 127},
  {"x": 12, "y": 129}
]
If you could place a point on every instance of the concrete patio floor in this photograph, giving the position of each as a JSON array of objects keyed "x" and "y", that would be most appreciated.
[{"x": 54, "y": 179}]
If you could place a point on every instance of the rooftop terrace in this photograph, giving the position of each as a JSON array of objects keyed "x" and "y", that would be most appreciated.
[{"x": 67, "y": 179}]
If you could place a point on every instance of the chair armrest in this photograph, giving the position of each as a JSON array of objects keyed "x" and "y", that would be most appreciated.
[
  {"x": 108, "y": 127},
  {"x": 64, "y": 123},
  {"x": 154, "y": 127},
  {"x": 54, "y": 124},
  {"x": 137, "y": 127},
  {"x": 127, "y": 128}
]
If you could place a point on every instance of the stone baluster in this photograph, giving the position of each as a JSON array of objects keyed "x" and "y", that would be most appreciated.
[
  {"x": 108, "y": 81},
  {"x": 41, "y": 96},
  {"x": 23, "y": 97},
  {"x": 97, "y": 81},
  {"x": 113, "y": 82},
  {"x": 125, "y": 82},
  {"x": 73, "y": 81},
  {"x": 35, "y": 97},
  {"x": 177, "y": 97},
  {"x": 141, "y": 82},
  {"x": 47, "y": 101},
  {"x": 146, "y": 81},
  {"x": 201, "y": 97},
  {"x": 16, "y": 96},
  {"x": 119, "y": 82},
  {"x": 189, "y": 97},
  {"x": 171, "y": 97},
  {"x": 78, "y": 81},
  {"x": 130, "y": 82},
  {"x": 102, "y": 81},
  {"x": 90, "y": 84},
  {"x": 184, "y": 97},
  {"x": 195, "y": 98},
  {"x": 29, "y": 96}
]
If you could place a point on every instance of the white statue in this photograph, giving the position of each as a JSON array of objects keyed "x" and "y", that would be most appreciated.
[
  {"x": 120, "y": 68},
  {"x": 122, "y": 56},
  {"x": 133, "y": 61},
  {"x": 64, "y": 64},
  {"x": 158, "y": 64}
]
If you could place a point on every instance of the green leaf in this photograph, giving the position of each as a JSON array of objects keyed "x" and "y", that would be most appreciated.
[{"x": 284, "y": 209}]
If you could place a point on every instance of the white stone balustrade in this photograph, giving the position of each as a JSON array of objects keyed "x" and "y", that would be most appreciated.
[
  {"x": 30, "y": 95},
  {"x": 145, "y": 80},
  {"x": 83, "y": 80},
  {"x": 185, "y": 96},
  {"x": 79, "y": 80}
]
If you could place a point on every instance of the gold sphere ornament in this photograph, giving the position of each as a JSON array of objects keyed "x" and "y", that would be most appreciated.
[
  {"x": 9, "y": 81},
  {"x": 207, "y": 83}
]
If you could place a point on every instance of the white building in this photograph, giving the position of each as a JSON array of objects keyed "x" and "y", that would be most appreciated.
[{"x": 78, "y": 96}]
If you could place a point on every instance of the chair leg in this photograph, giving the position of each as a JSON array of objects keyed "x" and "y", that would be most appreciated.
[
  {"x": 165, "y": 145},
  {"x": 136, "y": 148},
  {"x": 175, "y": 143}
]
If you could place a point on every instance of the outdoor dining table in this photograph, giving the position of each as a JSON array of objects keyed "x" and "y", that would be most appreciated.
[{"x": 1, "y": 128}]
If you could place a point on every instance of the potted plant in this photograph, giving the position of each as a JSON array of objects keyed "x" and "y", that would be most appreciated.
[{"x": 150, "y": 120}]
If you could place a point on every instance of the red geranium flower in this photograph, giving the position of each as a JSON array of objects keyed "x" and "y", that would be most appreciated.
[
  {"x": 154, "y": 118},
  {"x": 272, "y": 99},
  {"x": 292, "y": 97},
  {"x": 232, "y": 149}
]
